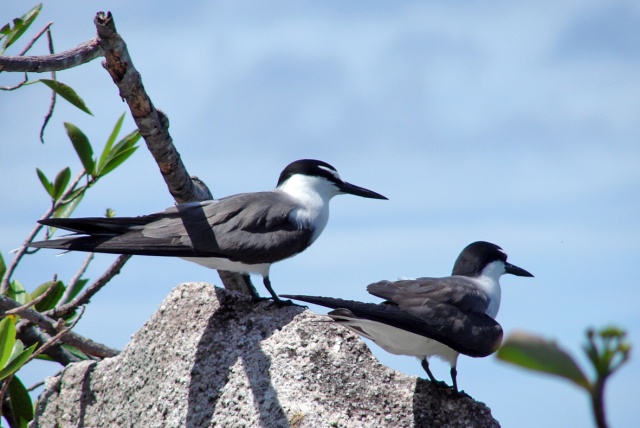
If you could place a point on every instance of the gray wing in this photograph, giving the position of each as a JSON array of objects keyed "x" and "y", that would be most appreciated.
[
  {"x": 470, "y": 333},
  {"x": 456, "y": 291},
  {"x": 251, "y": 227}
]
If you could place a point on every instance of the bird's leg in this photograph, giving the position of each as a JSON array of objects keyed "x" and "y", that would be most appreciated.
[
  {"x": 438, "y": 383},
  {"x": 252, "y": 290},
  {"x": 454, "y": 375},
  {"x": 276, "y": 300}
]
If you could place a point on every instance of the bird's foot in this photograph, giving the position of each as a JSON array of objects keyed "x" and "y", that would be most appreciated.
[
  {"x": 459, "y": 394},
  {"x": 279, "y": 303},
  {"x": 440, "y": 384}
]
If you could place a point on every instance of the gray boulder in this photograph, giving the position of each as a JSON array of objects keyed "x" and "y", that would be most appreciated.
[{"x": 211, "y": 358}]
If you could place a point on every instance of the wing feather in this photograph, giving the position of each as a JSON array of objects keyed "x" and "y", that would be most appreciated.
[{"x": 252, "y": 228}]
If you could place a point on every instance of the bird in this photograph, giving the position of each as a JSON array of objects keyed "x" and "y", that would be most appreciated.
[
  {"x": 244, "y": 233},
  {"x": 425, "y": 317}
]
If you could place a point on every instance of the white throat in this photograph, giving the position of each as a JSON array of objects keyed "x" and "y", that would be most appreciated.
[
  {"x": 489, "y": 283},
  {"x": 313, "y": 194}
]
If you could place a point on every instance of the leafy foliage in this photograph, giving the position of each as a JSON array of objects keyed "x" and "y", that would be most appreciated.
[
  {"x": 606, "y": 349},
  {"x": 20, "y": 25},
  {"x": 65, "y": 192}
]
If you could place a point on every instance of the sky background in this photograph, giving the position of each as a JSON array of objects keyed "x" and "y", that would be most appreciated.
[{"x": 511, "y": 122}]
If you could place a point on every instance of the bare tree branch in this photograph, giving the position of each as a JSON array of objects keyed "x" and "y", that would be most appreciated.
[
  {"x": 154, "y": 128},
  {"x": 86, "y": 295},
  {"x": 36, "y": 37},
  {"x": 73, "y": 281},
  {"x": 30, "y": 334},
  {"x": 153, "y": 124},
  {"x": 81, "y": 54},
  {"x": 50, "y": 326},
  {"x": 55, "y": 339}
]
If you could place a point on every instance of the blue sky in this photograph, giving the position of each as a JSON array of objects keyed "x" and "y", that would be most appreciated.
[{"x": 512, "y": 122}]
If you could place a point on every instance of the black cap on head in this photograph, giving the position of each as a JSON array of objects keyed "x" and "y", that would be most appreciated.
[
  {"x": 310, "y": 167},
  {"x": 477, "y": 255},
  {"x": 317, "y": 168}
]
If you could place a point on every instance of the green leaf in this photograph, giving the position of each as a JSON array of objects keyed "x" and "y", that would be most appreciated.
[
  {"x": 48, "y": 186},
  {"x": 61, "y": 182},
  {"x": 536, "y": 353},
  {"x": 66, "y": 92},
  {"x": 82, "y": 145},
  {"x": 117, "y": 160},
  {"x": 20, "y": 25},
  {"x": 75, "y": 351},
  {"x": 110, "y": 141},
  {"x": 18, "y": 347},
  {"x": 7, "y": 339},
  {"x": 64, "y": 211},
  {"x": 52, "y": 298},
  {"x": 127, "y": 141},
  {"x": 18, "y": 293},
  {"x": 3, "y": 266},
  {"x": 119, "y": 153},
  {"x": 15, "y": 364},
  {"x": 21, "y": 405}
]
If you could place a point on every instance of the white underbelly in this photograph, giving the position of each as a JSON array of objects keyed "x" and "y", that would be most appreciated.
[
  {"x": 224, "y": 264},
  {"x": 401, "y": 342}
]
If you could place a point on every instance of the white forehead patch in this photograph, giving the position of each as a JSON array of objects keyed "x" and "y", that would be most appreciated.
[
  {"x": 331, "y": 171},
  {"x": 502, "y": 251}
]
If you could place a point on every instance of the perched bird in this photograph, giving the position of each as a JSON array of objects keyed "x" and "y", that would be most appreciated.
[
  {"x": 243, "y": 233},
  {"x": 426, "y": 317}
]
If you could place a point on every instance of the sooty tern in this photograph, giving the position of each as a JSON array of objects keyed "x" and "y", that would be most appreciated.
[
  {"x": 426, "y": 317},
  {"x": 243, "y": 233}
]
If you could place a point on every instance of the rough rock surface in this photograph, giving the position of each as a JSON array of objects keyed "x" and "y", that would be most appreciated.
[{"x": 211, "y": 358}]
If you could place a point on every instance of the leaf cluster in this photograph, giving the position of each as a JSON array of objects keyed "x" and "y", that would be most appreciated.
[
  {"x": 606, "y": 349},
  {"x": 10, "y": 34}
]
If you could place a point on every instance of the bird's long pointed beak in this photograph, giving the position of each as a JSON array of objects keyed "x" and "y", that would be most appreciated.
[
  {"x": 515, "y": 270},
  {"x": 352, "y": 189}
]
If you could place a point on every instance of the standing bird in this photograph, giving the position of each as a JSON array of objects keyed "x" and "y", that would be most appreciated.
[
  {"x": 243, "y": 233},
  {"x": 426, "y": 317}
]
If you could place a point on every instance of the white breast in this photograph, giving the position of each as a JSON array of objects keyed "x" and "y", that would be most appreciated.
[
  {"x": 400, "y": 342},
  {"x": 313, "y": 195}
]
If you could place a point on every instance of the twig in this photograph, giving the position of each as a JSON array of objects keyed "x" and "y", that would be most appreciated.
[
  {"x": 24, "y": 51},
  {"x": 34, "y": 301},
  {"x": 36, "y": 385},
  {"x": 35, "y": 38},
  {"x": 83, "y": 53},
  {"x": 57, "y": 337},
  {"x": 52, "y": 104},
  {"x": 19, "y": 85},
  {"x": 86, "y": 295},
  {"x": 30, "y": 334},
  {"x": 50, "y": 326},
  {"x": 72, "y": 283}
]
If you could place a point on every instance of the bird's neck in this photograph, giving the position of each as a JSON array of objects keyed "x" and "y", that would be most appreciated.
[
  {"x": 489, "y": 282},
  {"x": 313, "y": 195}
]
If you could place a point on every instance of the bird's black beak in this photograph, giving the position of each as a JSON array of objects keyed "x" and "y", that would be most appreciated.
[
  {"x": 515, "y": 270},
  {"x": 352, "y": 189}
]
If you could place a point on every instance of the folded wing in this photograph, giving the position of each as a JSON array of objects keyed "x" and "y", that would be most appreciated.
[{"x": 241, "y": 228}]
